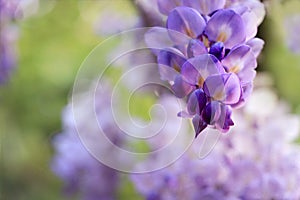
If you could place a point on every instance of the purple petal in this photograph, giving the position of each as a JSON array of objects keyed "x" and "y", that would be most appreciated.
[
  {"x": 256, "y": 45},
  {"x": 211, "y": 112},
  {"x": 196, "y": 70},
  {"x": 218, "y": 115},
  {"x": 181, "y": 88},
  {"x": 241, "y": 61},
  {"x": 256, "y": 7},
  {"x": 187, "y": 21},
  {"x": 184, "y": 114},
  {"x": 249, "y": 19},
  {"x": 170, "y": 61},
  {"x": 165, "y": 6},
  {"x": 196, "y": 48},
  {"x": 199, "y": 124},
  {"x": 158, "y": 38},
  {"x": 225, "y": 88},
  {"x": 218, "y": 50},
  {"x": 224, "y": 122},
  {"x": 205, "y": 7},
  {"x": 196, "y": 102},
  {"x": 226, "y": 26},
  {"x": 246, "y": 91}
]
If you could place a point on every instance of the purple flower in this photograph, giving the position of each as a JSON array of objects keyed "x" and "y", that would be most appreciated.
[
  {"x": 187, "y": 21},
  {"x": 8, "y": 37},
  {"x": 256, "y": 45},
  {"x": 196, "y": 70},
  {"x": 196, "y": 48},
  {"x": 205, "y": 7},
  {"x": 117, "y": 22},
  {"x": 219, "y": 89},
  {"x": 292, "y": 28},
  {"x": 241, "y": 61},
  {"x": 218, "y": 50},
  {"x": 170, "y": 62},
  {"x": 81, "y": 172},
  {"x": 165, "y": 6},
  {"x": 257, "y": 160},
  {"x": 224, "y": 88},
  {"x": 212, "y": 49},
  {"x": 226, "y": 26},
  {"x": 10, "y": 11}
]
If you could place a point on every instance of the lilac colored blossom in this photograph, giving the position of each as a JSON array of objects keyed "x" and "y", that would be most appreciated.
[
  {"x": 8, "y": 37},
  {"x": 292, "y": 27},
  {"x": 11, "y": 11},
  {"x": 226, "y": 26},
  {"x": 73, "y": 163},
  {"x": 187, "y": 21},
  {"x": 212, "y": 47},
  {"x": 150, "y": 14},
  {"x": 165, "y": 6},
  {"x": 205, "y": 7},
  {"x": 117, "y": 23},
  {"x": 256, "y": 161},
  {"x": 82, "y": 173}
]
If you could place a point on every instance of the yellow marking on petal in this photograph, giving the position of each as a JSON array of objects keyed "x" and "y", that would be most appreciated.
[
  {"x": 177, "y": 3},
  {"x": 190, "y": 33},
  {"x": 219, "y": 95},
  {"x": 235, "y": 69},
  {"x": 201, "y": 82},
  {"x": 177, "y": 67},
  {"x": 206, "y": 42},
  {"x": 222, "y": 37}
]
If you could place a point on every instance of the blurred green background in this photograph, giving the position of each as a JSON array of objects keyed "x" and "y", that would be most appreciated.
[{"x": 52, "y": 46}]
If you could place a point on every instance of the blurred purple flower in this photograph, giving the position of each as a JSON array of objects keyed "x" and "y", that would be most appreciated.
[
  {"x": 11, "y": 11},
  {"x": 292, "y": 28},
  {"x": 165, "y": 6},
  {"x": 8, "y": 37},
  {"x": 256, "y": 161},
  {"x": 211, "y": 46},
  {"x": 117, "y": 22},
  {"x": 82, "y": 173},
  {"x": 205, "y": 7}
]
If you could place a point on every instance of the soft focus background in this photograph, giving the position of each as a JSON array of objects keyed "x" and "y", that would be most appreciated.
[{"x": 51, "y": 47}]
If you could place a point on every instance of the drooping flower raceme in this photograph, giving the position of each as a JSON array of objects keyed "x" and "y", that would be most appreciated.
[
  {"x": 210, "y": 56},
  {"x": 82, "y": 173},
  {"x": 256, "y": 161}
]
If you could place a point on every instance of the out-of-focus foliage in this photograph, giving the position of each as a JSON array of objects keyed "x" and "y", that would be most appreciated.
[{"x": 277, "y": 58}]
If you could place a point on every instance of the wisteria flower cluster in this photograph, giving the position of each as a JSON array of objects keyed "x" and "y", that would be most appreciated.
[
  {"x": 82, "y": 173},
  {"x": 212, "y": 56},
  {"x": 256, "y": 161}
]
